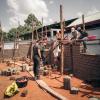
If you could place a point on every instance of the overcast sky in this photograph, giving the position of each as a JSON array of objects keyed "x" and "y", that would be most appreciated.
[{"x": 12, "y": 11}]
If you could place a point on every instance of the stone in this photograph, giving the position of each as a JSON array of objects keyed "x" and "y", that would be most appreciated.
[
  {"x": 8, "y": 73},
  {"x": 24, "y": 93},
  {"x": 74, "y": 90},
  {"x": 94, "y": 98}
]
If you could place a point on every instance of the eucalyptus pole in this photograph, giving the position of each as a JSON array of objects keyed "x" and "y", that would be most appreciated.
[
  {"x": 14, "y": 50},
  {"x": 62, "y": 37},
  {"x": 37, "y": 36},
  {"x": 42, "y": 28},
  {"x": 33, "y": 24},
  {"x": 83, "y": 22},
  {"x": 2, "y": 42},
  {"x": 18, "y": 38},
  {"x": 46, "y": 31}
]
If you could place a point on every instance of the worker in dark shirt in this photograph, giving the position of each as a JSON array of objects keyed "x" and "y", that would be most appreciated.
[
  {"x": 36, "y": 60},
  {"x": 83, "y": 34},
  {"x": 43, "y": 53}
]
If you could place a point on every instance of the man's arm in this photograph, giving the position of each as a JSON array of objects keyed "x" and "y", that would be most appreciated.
[
  {"x": 39, "y": 52},
  {"x": 78, "y": 35}
]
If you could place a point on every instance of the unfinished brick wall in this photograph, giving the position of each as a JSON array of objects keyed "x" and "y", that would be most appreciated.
[{"x": 85, "y": 66}]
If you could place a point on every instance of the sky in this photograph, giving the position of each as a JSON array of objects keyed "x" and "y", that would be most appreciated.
[{"x": 14, "y": 11}]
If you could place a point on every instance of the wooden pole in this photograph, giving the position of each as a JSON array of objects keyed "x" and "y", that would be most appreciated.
[
  {"x": 42, "y": 28},
  {"x": 37, "y": 36},
  {"x": 46, "y": 31},
  {"x": 32, "y": 39},
  {"x": 18, "y": 38},
  {"x": 14, "y": 51},
  {"x": 83, "y": 22},
  {"x": 62, "y": 37},
  {"x": 2, "y": 43}
]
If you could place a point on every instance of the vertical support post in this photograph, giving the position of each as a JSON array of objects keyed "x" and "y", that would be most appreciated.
[
  {"x": 2, "y": 43},
  {"x": 14, "y": 51},
  {"x": 42, "y": 28},
  {"x": 18, "y": 38},
  {"x": 62, "y": 37},
  {"x": 83, "y": 22},
  {"x": 32, "y": 39},
  {"x": 46, "y": 31},
  {"x": 37, "y": 36}
]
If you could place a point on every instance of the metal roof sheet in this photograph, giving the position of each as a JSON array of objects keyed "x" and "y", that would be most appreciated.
[{"x": 87, "y": 19}]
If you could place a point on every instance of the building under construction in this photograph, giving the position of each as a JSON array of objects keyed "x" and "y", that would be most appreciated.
[{"x": 81, "y": 69}]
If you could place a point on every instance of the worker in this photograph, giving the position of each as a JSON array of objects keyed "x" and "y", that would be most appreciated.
[
  {"x": 83, "y": 34},
  {"x": 36, "y": 59},
  {"x": 43, "y": 53},
  {"x": 56, "y": 53},
  {"x": 75, "y": 34},
  {"x": 58, "y": 35}
]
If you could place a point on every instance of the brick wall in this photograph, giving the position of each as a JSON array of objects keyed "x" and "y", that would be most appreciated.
[
  {"x": 84, "y": 66},
  {"x": 23, "y": 51}
]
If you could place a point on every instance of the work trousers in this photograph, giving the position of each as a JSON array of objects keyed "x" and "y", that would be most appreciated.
[
  {"x": 36, "y": 67},
  {"x": 84, "y": 43}
]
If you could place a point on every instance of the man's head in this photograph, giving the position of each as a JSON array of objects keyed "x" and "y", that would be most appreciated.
[
  {"x": 72, "y": 29},
  {"x": 79, "y": 28}
]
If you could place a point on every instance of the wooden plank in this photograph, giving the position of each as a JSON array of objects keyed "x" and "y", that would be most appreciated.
[{"x": 44, "y": 86}]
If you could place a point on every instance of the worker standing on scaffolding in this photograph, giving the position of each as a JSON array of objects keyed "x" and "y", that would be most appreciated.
[
  {"x": 36, "y": 60},
  {"x": 83, "y": 34},
  {"x": 74, "y": 34}
]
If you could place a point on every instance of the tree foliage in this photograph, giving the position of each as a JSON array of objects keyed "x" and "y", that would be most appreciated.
[
  {"x": 32, "y": 20},
  {"x": 26, "y": 28}
]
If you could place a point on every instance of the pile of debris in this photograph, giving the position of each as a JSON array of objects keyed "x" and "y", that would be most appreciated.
[{"x": 9, "y": 71}]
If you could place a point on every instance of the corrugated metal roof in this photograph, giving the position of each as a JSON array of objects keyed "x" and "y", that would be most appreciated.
[{"x": 87, "y": 19}]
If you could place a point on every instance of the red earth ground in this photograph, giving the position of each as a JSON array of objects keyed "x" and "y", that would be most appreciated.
[
  {"x": 56, "y": 83},
  {"x": 36, "y": 93}
]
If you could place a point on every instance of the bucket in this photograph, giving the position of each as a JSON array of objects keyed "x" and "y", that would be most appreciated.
[{"x": 22, "y": 82}]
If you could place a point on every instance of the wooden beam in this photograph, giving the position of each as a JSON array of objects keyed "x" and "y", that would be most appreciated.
[
  {"x": 14, "y": 50},
  {"x": 32, "y": 40},
  {"x": 42, "y": 28},
  {"x": 62, "y": 37},
  {"x": 2, "y": 42},
  {"x": 44, "y": 86},
  {"x": 18, "y": 38},
  {"x": 37, "y": 36},
  {"x": 83, "y": 22},
  {"x": 46, "y": 31}
]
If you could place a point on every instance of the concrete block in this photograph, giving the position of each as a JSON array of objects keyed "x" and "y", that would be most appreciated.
[
  {"x": 74, "y": 90},
  {"x": 67, "y": 83}
]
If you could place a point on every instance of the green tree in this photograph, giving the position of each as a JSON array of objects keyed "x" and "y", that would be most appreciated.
[
  {"x": 11, "y": 34},
  {"x": 27, "y": 28},
  {"x": 32, "y": 19}
]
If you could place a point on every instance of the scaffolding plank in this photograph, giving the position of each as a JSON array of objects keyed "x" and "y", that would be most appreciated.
[{"x": 44, "y": 86}]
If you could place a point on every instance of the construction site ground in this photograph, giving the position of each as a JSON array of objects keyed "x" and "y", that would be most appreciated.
[{"x": 55, "y": 81}]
